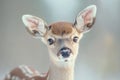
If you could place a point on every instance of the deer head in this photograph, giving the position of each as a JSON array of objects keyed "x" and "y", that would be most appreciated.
[{"x": 61, "y": 38}]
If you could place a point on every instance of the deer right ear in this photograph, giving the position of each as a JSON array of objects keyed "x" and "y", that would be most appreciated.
[
  {"x": 85, "y": 19},
  {"x": 34, "y": 25}
]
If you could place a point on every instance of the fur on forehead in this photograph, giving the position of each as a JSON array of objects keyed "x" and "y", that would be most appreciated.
[{"x": 61, "y": 28}]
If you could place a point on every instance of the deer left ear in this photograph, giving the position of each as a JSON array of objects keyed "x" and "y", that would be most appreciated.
[
  {"x": 85, "y": 19},
  {"x": 34, "y": 25}
]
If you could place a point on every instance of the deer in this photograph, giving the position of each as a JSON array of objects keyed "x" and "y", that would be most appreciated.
[{"x": 62, "y": 40}]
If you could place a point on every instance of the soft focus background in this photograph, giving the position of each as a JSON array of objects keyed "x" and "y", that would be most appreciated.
[{"x": 99, "y": 52}]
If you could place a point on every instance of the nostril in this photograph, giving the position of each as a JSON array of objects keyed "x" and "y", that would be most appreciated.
[{"x": 64, "y": 48}]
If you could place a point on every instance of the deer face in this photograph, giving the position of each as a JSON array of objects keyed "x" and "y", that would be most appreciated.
[{"x": 61, "y": 38}]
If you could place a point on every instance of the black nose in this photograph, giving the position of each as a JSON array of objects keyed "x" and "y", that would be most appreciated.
[{"x": 65, "y": 52}]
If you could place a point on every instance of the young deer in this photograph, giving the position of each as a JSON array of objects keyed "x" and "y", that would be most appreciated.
[{"x": 62, "y": 40}]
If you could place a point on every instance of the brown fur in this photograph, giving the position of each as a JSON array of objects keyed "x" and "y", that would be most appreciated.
[
  {"x": 61, "y": 28},
  {"x": 17, "y": 72}
]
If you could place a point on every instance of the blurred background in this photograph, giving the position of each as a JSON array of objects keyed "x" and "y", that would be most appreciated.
[{"x": 99, "y": 52}]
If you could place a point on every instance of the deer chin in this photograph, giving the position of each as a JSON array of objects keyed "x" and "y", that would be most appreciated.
[{"x": 65, "y": 62}]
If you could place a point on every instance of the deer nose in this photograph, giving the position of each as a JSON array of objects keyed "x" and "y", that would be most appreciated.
[{"x": 65, "y": 52}]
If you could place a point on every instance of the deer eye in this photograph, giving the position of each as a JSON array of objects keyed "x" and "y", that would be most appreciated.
[
  {"x": 75, "y": 39},
  {"x": 51, "y": 41}
]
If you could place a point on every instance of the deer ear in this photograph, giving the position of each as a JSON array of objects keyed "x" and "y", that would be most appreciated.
[
  {"x": 34, "y": 25},
  {"x": 85, "y": 19}
]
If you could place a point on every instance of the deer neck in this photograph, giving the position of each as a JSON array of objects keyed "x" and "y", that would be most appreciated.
[{"x": 61, "y": 73}]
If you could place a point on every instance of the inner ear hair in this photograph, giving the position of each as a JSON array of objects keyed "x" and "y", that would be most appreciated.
[
  {"x": 32, "y": 32},
  {"x": 86, "y": 26},
  {"x": 89, "y": 25}
]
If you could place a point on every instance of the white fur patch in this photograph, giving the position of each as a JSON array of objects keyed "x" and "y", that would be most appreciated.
[
  {"x": 8, "y": 76},
  {"x": 15, "y": 78},
  {"x": 43, "y": 74},
  {"x": 26, "y": 70}
]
